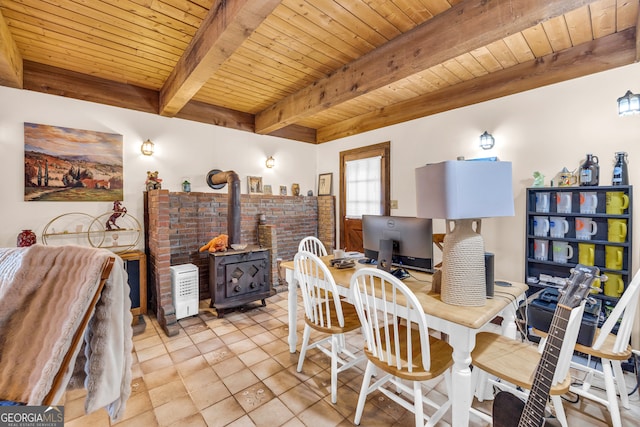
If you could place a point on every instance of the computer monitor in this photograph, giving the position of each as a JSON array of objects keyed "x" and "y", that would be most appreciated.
[{"x": 412, "y": 240}]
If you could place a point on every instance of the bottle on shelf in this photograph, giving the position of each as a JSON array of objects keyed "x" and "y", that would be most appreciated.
[
  {"x": 590, "y": 171},
  {"x": 620, "y": 171}
]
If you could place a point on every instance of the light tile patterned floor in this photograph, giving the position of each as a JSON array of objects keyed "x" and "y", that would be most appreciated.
[{"x": 237, "y": 371}]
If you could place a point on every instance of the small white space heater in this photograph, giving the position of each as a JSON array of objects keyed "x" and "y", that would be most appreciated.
[{"x": 184, "y": 289}]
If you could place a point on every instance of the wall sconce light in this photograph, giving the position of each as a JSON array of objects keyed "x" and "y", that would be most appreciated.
[
  {"x": 271, "y": 162},
  {"x": 147, "y": 148},
  {"x": 487, "y": 140},
  {"x": 628, "y": 104}
]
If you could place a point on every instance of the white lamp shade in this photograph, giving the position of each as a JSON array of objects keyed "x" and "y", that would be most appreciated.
[{"x": 458, "y": 189}]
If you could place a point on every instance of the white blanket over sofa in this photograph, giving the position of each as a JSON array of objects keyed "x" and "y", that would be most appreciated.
[{"x": 44, "y": 293}]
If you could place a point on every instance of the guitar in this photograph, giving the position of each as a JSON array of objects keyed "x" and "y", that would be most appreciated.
[{"x": 511, "y": 411}]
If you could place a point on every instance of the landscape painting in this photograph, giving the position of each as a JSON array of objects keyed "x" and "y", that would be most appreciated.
[{"x": 64, "y": 164}]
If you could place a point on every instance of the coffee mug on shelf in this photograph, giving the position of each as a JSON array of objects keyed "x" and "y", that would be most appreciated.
[
  {"x": 586, "y": 253},
  {"x": 542, "y": 202},
  {"x": 613, "y": 257},
  {"x": 540, "y": 249},
  {"x": 540, "y": 225},
  {"x": 616, "y": 202},
  {"x": 558, "y": 226},
  {"x": 614, "y": 285},
  {"x": 562, "y": 252},
  {"x": 617, "y": 230},
  {"x": 585, "y": 228},
  {"x": 588, "y": 202},
  {"x": 563, "y": 202}
]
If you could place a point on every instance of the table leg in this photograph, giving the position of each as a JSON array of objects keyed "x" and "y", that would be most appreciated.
[
  {"x": 509, "y": 328},
  {"x": 462, "y": 340},
  {"x": 293, "y": 310}
]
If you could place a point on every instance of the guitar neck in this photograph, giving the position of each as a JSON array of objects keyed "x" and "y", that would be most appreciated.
[{"x": 534, "y": 409}]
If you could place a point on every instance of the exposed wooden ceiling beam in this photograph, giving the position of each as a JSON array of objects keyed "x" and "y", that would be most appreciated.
[
  {"x": 57, "y": 81},
  {"x": 227, "y": 25},
  {"x": 468, "y": 25},
  {"x": 606, "y": 53},
  {"x": 10, "y": 58}
]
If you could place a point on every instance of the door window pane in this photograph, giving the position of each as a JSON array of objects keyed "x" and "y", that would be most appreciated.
[{"x": 363, "y": 190}]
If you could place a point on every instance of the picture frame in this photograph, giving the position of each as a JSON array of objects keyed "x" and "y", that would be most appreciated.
[
  {"x": 267, "y": 189},
  {"x": 254, "y": 184},
  {"x": 283, "y": 190},
  {"x": 98, "y": 160},
  {"x": 325, "y": 184}
]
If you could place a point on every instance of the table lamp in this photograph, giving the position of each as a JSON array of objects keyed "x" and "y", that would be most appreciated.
[{"x": 463, "y": 192}]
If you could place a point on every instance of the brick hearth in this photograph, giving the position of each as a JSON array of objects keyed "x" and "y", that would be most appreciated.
[{"x": 177, "y": 224}]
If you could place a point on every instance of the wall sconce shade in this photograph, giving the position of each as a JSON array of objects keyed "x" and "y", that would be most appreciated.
[
  {"x": 271, "y": 162},
  {"x": 487, "y": 140},
  {"x": 628, "y": 104},
  {"x": 147, "y": 148},
  {"x": 463, "y": 192}
]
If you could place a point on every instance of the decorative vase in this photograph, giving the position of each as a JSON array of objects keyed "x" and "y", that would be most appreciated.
[
  {"x": 26, "y": 238},
  {"x": 463, "y": 272}
]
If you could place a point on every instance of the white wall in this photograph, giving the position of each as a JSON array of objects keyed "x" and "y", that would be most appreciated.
[
  {"x": 184, "y": 150},
  {"x": 541, "y": 130},
  {"x": 544, "y": 130}
]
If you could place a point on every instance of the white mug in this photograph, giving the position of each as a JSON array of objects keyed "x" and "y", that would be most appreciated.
[
  {"x": 540, "y": 225},
  {"x": 559, "y": 226},
  {"x": 563, "y": 202},
  {"x": 542, "y": 202},
  {"x": 585, "y": 228},
  {"x": 588, "y": 202},
  {"x": 562, "y": 252},
  {"x": 540, "y": 249}
]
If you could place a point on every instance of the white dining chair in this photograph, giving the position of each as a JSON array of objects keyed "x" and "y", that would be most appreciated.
[
  {"x": 327, "y": 313},
  {"x": 397, "y": 343},
  {"x": 512, "y": 365},
  {"x": 312, "y": 244},
  {"x": 612, "y": 351}
]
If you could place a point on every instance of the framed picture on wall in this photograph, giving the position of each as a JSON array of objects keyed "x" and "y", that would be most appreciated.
[
  {"x": 255, "y": 184},
  {"x": 267, "y": 189},
  {"x": 72, "y": 165},
  {"x": 324, "y": 184},
  {"x": 283, "y": 190}
]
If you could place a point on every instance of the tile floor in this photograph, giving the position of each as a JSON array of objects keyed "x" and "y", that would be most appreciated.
[{"x": 237, "y": 371}]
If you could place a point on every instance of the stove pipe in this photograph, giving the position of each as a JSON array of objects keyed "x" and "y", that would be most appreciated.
[{"x": 233, "y": 213}]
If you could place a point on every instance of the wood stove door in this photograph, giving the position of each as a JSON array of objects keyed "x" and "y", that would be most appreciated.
[{"x": 246, "y": 277}]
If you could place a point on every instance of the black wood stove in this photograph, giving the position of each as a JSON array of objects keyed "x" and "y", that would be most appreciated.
[{"x": 237, "y": 278}]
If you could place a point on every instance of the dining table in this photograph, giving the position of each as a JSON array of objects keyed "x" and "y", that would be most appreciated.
[{"x": 459, "y": 323}]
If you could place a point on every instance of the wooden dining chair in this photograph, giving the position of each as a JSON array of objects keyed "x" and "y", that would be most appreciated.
[
  {"x": 612, "y": 351},
  {"x": 397, "y": 343},
  {"x": 520, "y": 368},
  {"x": 312, "y": 244},
  {"x": 327, "y": 313}
]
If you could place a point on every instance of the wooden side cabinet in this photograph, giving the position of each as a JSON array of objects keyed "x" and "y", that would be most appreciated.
[{"x": 135, "y": 263}]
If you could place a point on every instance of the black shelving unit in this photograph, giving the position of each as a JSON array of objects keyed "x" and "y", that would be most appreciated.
[{"x": 534, "y": 267}]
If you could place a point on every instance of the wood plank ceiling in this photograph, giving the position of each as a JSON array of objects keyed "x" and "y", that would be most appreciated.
[{"x": 309, "y": 70}]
